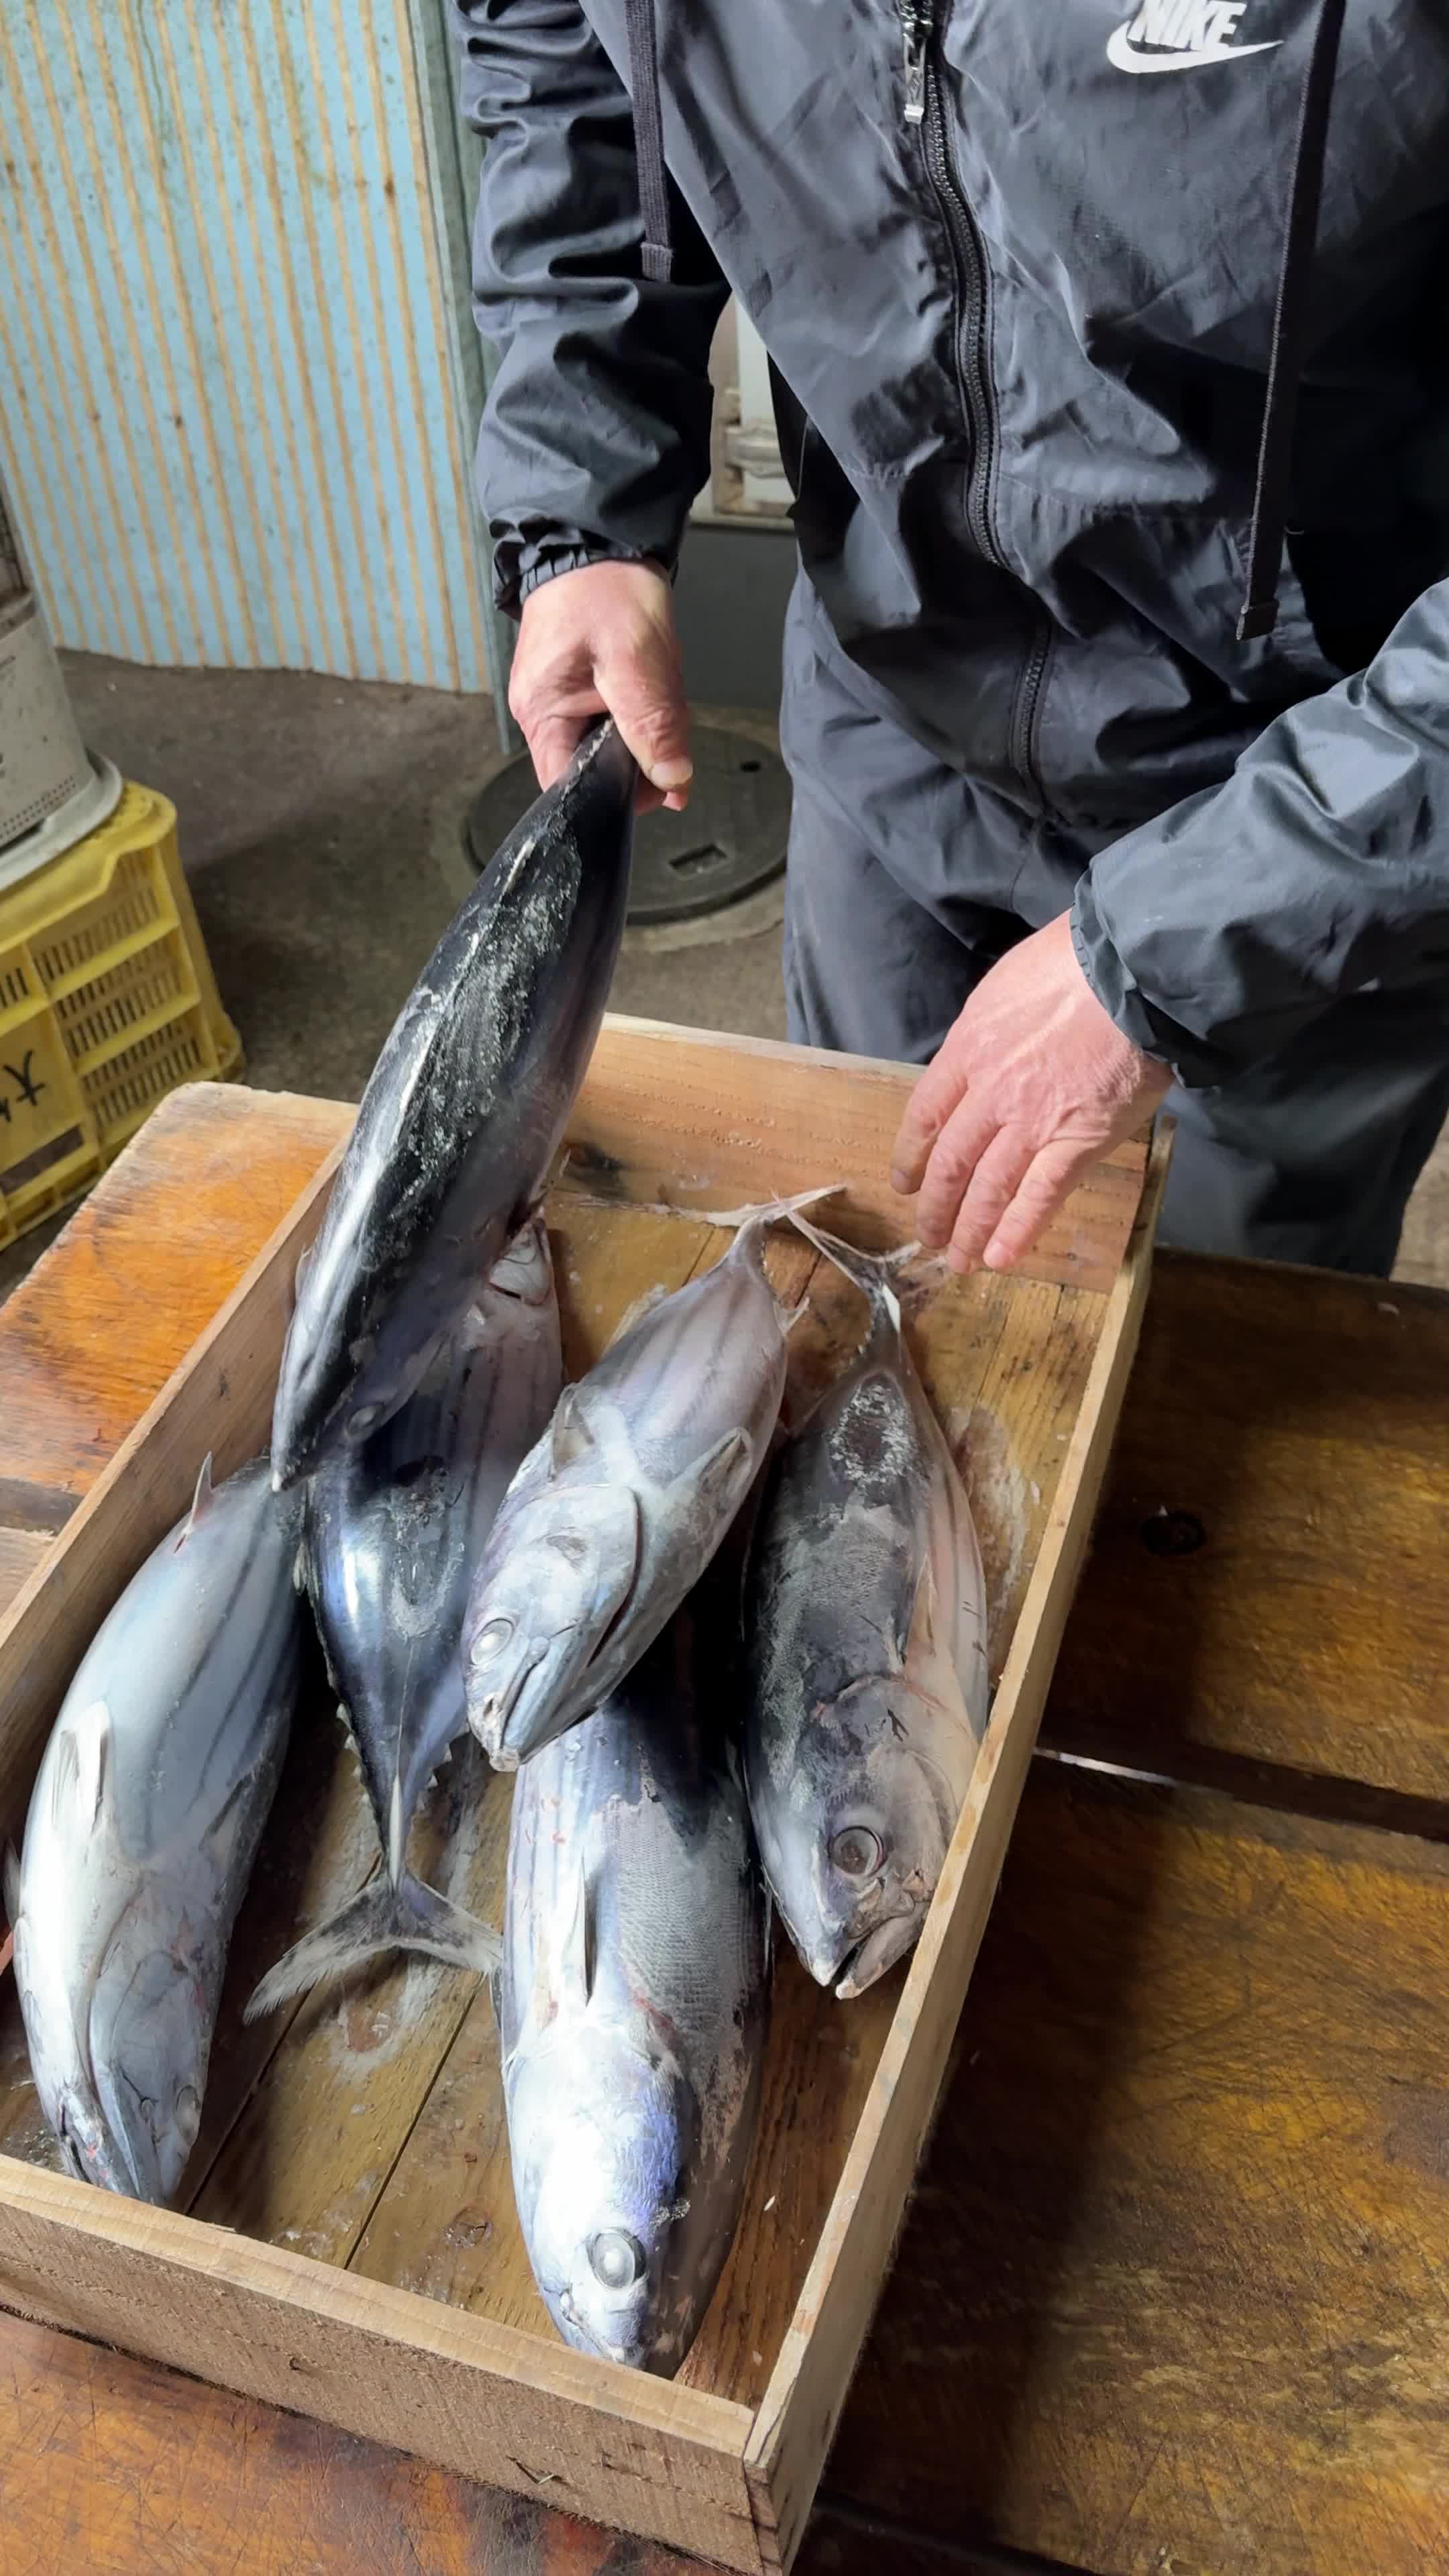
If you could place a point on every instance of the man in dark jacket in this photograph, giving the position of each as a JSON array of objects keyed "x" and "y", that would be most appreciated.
[{"x": 1098, "y": 786}]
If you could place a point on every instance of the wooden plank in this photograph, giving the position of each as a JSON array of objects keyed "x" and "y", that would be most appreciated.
[
  {"x": 220, "y": 1398},
  {"x": 1289, "y": 1430},
  {"x": 609, "y": 2443},
  {"x": 701, "y": 1120},
  {"x": 1171, "y": 2289},
  {"x": 146, "y": 2471},
  {"x": 90, "y": 1337},
  {"x": 327, "y": 2119},
  {"x": 21, "y": 1551},
  {"x": 798, "y": 2414}
]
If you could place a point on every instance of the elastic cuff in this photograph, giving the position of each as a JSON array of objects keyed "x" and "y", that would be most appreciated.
[
  {"x": 512, "y": 588},
  {"x": 1195, "y": 1066}
]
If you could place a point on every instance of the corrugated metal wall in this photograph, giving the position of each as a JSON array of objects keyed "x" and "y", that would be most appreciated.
[{"x": 236, "y": 385}]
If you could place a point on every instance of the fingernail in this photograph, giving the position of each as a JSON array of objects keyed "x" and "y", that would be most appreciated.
[
  {"x": 958, "y": 1262},
  {"x": 671, "y": 773},
  {"x": 899, "y": 1182}
]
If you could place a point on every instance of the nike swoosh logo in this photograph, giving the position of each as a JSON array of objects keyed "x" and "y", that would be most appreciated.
[{"x": 1124, "y": 57}]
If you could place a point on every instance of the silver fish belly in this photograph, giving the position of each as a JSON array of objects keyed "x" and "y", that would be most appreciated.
[
  {"x": 462, "y": 1115},
  {"x": 615, "y": 1514},
  {"x": 633, "y": 2003},
  {"x": 866, "y": 1668},
  {"x": 142, "y": 1830},
  {"x": 391, "y": 1535}
]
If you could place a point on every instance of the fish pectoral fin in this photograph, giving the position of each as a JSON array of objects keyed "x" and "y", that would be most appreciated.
[
  {"x": 379, "y": 1918},
  {"x": 724, "y": 1476},
  {"x": 79, "y": 1779},
  {"x": 921, "y": 1626},
  {"x": 201, "y": 1500},
  {"x": 569, "y": 1436},
  {"x": 578, "y": 1957}
]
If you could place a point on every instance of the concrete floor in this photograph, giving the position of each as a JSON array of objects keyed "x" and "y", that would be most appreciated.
[{"x": 319, "y": 826}]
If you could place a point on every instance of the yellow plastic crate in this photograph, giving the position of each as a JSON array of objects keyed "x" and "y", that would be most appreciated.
[{"x": 107, "y": 1002}]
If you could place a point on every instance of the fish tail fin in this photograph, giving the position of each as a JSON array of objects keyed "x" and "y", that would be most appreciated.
[
  {"x": 870, "y": 1272},
  {"x": 382, "y": 1916},
  {"x": 763, "y": 1212}
]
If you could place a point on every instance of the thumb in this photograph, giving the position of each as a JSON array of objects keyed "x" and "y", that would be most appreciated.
[{"x": 644, "y": 692}]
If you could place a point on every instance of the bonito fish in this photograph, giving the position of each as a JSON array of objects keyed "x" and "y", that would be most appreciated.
[
  {"x": 633, "y": 2003},
  {"x": 615, "y": 1514},
  {"x": 866, "y": 1689},
  {"x": 463, "y": 1113},
  {"x": 142, "y": 1831},
  {"x": 391, "y": 1535}
]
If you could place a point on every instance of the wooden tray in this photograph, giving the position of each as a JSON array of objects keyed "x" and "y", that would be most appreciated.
[{"x": 348, "y": 2245}]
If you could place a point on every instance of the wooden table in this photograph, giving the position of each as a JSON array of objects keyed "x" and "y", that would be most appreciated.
[{"x": 1173, "y": 2296}]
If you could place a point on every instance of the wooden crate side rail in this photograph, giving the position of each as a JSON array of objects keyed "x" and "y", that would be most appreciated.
[
  {"x": 485, "y": 2401},
  {"x": 697, "y": 1119},
  {"x": 218, "y": 1399},
  {"x": 797, "y": 2417}
]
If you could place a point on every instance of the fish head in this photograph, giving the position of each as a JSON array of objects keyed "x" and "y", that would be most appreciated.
[
  {"x": 61, "y": 2071},
  {"x": 120, "y": 2072},
  {"x": 548, "y": 1591},
  {"x": 602, "y": 2153},
  {"x": 152, "y": 2012},
  {"x": 855, "y": 1858}
]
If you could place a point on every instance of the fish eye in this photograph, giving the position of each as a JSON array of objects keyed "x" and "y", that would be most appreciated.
[
  {"x": 856, "y": 1851},
  {"x": 364, "y": 1421},
  {"x": 616, "y": 2259},
  {"x": 491, "y": 1639}
]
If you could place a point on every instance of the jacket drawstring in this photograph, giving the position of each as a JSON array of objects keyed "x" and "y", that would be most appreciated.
[
  {"x": 1259, "y": 612},
  {"x": 658, "y": 258}
]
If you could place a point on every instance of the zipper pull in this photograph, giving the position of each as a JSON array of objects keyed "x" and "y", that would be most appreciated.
[{"x": 916, "y": 36}]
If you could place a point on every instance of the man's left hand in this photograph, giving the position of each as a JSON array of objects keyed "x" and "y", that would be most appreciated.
[{"x": 1034, "y": 1083}]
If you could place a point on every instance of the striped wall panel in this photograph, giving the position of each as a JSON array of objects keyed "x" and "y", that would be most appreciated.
[{"x": 236, "y": 384}]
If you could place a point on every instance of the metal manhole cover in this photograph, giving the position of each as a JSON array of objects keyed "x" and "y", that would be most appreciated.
[{"x": 729, "y": 841}]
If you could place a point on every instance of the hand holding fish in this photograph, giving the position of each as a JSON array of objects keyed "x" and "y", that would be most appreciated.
[
  {"x": 601, "y": 641},
  {"x": 1035, "y": 1082}
]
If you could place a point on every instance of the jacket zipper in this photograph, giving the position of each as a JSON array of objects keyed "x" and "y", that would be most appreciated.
[{"x": 924, "y": 108}]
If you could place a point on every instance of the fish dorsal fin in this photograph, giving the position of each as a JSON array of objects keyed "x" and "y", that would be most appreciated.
[
  {"x": 10, "y": 1882},
  {"x": 569, "y": 1436},
  {"x": 201, "y": 1501},
  {"x": 80, "y": 1773},
  {"x": 578, "y": 1957}
]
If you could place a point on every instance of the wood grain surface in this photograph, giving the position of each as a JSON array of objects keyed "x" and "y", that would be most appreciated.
[
  {"x": 700, "y": 1119},
  {"x": 1268, "y": 1586},
  {"x": 91, "y": 1336},
  {"x": 1173, "y": 2291},
  {"x": 149, "y": 2474}
]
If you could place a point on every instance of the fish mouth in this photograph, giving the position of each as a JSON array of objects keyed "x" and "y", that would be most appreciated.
[
  {"x": 577, "y": 2325},
  {"x": 871, "y": 1959},
  {"x": 489, "y": 1715}
]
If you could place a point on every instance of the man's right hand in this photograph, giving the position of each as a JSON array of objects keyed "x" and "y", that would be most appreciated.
[{"x": 601, "y": 641}]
